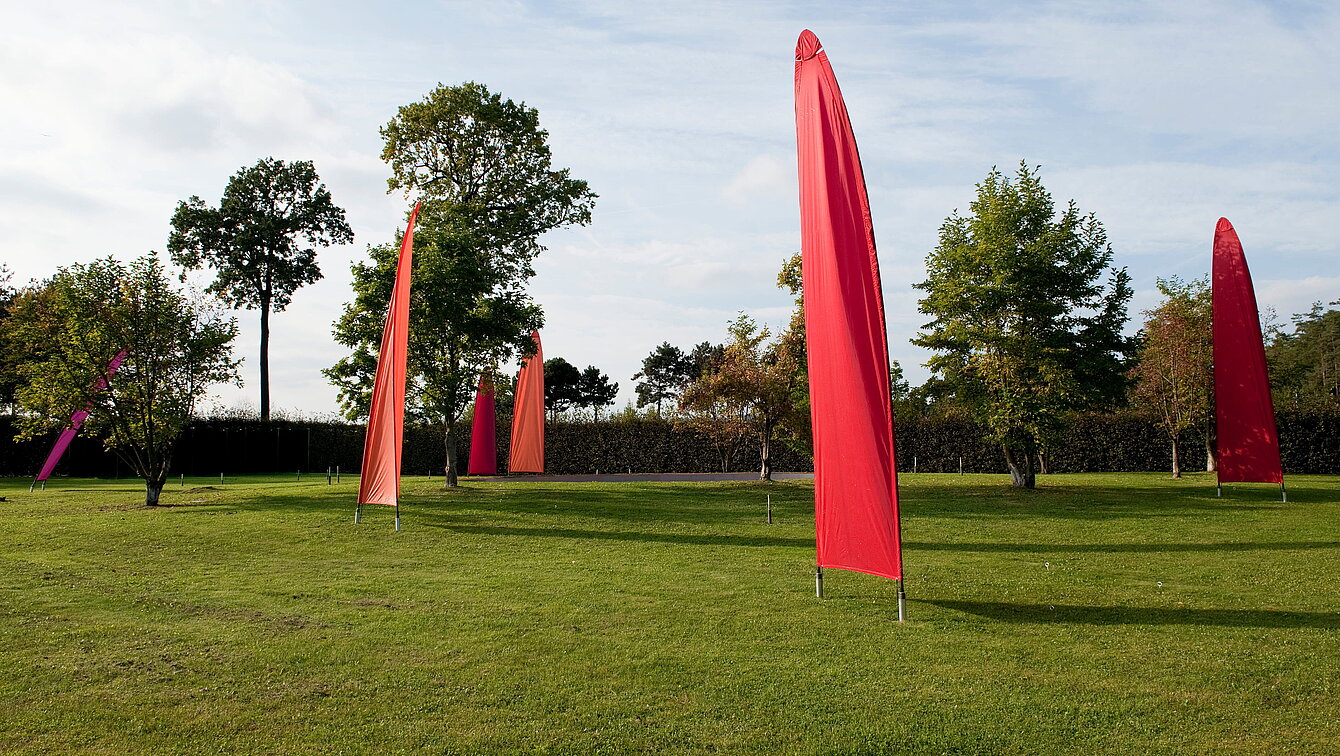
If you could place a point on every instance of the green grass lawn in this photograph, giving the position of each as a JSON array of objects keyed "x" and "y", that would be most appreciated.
[{"x": 1098, "y": 614}]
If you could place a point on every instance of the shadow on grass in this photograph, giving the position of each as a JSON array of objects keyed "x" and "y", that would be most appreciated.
[
  {"x": 1099, "y": 548},
  {"x": 1120, "y": 615},
  {"x": 604, "y": 535}
]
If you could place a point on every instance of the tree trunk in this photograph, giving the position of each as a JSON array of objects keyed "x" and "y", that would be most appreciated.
[
  {"x": 265, "y": 360},
  {"x": 1211, "y": 448},
  {"x": 1042, "y": 464},
  {"x": 449, "y": 473},
  {"x": 1177, "y": 462},
  {"x": 1021, "y": 468},
  {"x": 152, "y": 488},
  {"x": 765, "y": 471}
]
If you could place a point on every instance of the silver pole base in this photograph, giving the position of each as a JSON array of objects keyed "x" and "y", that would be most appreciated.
[
  {"x": 902, "y": 602},
  {"x": 818, "y": 582}
]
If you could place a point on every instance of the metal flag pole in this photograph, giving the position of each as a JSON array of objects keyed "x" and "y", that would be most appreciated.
[
  {"x": 34, "y": 485},
  {"x": 902, "y": 602},
  {"x": 1218, "y": 489},
  {"x": 818, "y": 581},
  {"x": 397, "y": 514},
  {"x": 769, "y": 509},
  {"x": 1284, "y": 495},
  {"x": 358, "y": 512}
]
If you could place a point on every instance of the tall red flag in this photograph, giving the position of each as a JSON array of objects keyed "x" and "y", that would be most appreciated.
[
  {"x": 483, "y": 431},
  {"x": 528, "y": 415},
  {"x": 855, "y": 483},
  {"x": 1249, "y": 447},
  {"x": 380, "y": 481},
  {"x": 77, "y": 421}
]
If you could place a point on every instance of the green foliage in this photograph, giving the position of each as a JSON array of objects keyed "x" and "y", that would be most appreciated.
[
  {"x": 1024, "y": 327},
  {"x": 752, "y": 385},
  {"x": 1305, "y": 364},
  {"x": 260, "y": 241},
  {"x": 176, "y": 346},
  {"x": 668, "y": 370},
  {"x": 482, "y": 169},
  {"x": 10, "y": 358},
  {"x": 562, "y": 385},
  {"x": 1174, "y": 378}
]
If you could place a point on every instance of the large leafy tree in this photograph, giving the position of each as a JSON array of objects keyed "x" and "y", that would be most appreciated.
[
  {"x": 177, "y": 344},
  {"x": 1027, "y": 314},
  {"x": 596, "y": 390},
  {"x": 260, "y": 241},
  {"x": 756, "y": 374},
  {"x": 1305, "y": 364},
  {"x": 1174, "y": 376},
  {"x": 481, "y": 167},
  {"x": 667, "y": 370},
  {"x": 562, "y": 385}
]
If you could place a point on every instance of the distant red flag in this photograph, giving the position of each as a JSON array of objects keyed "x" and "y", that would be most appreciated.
[
  {"x": 483, "y": 432},
  {"x": 380, "y": 482},
  {"x": 1249, "y": 447},
  {"x": 528, "y": 415},
  {"x": 855, "y": 484},
  {"x": 77, "y": 420}
]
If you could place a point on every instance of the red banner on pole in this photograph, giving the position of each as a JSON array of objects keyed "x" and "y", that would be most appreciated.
[
  {"x": 77, "y": 420},
  {"x": 528, "y": 415},
  {"x": 1249, "y": 447},
  {"x": 483, "y": 432},
  {"x": 380, "y": 481},
  {"x": 855, "y": 483}
]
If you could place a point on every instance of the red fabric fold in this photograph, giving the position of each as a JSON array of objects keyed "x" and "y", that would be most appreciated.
[
  {"x": 483, "y": 432},
  {"x": 855, "y": 482},
  {"x": 380, "y": 481},
  {"x": 527, "y": 453},
  {"x": 1249, "y": 447}
]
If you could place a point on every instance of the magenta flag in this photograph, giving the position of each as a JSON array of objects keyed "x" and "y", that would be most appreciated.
[
  {"x": 1249, "y": 447},
  {"x": 77, "y": 420},
  {"x": 484, "y": 432},
  {"x": 383, "y": 444},
  {"x": 855, "y": 483}
]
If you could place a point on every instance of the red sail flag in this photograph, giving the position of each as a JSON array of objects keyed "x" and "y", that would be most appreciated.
[
  {"x": 77, "y": 420},
  {"x": 1249, "y": 447},
  {"x": 380, "y": 481},
  {"x": 855, "y": 484},
  {"x": 483, "y": 432},
  {"x": 528, "y": 415}
]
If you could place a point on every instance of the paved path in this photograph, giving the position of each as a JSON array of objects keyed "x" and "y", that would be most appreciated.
[{"x": 642, "y": 477}]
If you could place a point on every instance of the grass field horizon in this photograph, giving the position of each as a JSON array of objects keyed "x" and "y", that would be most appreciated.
[{"x": 1114, "y": 613}]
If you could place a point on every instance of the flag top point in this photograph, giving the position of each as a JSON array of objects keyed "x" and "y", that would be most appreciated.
[{"x": 808, "y": 45}]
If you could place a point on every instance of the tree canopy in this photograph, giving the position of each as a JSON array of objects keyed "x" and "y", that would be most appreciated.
[
  {"x": 1027, "y": 314},
  {"x": 482, "y": 168},
  {"x": 1305, "y": 363},
  {"x": 260, "y": 241},
  {"x": 72, "y": 325},
  {"x": 1174, "y": 378}
]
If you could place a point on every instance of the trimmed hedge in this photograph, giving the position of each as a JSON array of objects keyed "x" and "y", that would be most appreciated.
[{"x": 1309, "y": 443}]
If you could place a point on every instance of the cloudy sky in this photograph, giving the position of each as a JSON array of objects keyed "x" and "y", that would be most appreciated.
[{"x": 1159, "y": 117}]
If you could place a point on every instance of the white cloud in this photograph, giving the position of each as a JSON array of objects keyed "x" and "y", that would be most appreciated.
[{"x": 766, "y": 177}]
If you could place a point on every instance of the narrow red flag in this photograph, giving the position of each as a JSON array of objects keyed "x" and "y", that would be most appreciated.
[
  {"x": 77, "y": 420},
  {"x": 1249, "y": 447},
  {"x": 528, "y": 415},
  {"x": 855, "y": 483},
  {"x": 483, "y": 431},
  {"x": 380, "y": 481}
]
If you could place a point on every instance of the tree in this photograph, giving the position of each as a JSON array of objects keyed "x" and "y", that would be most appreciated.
[
  {"x": 482, "y": 169},
  {"x": 176, "y": 344},
  {"x": 1305, "y": 364},
  {"x": 1174, "y": 376},
  {"x": 10, "y": 358},
  {"x": 596, "y": 390},
  {"x": 755, "y": 374},
  {"x": 1025, "y": 328},
  {"x": 261, "y": 241},
  {"x": 662, "y": 376},
  {"x": 796, "y": 428},
  {"x": 562, "y": 385}
]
